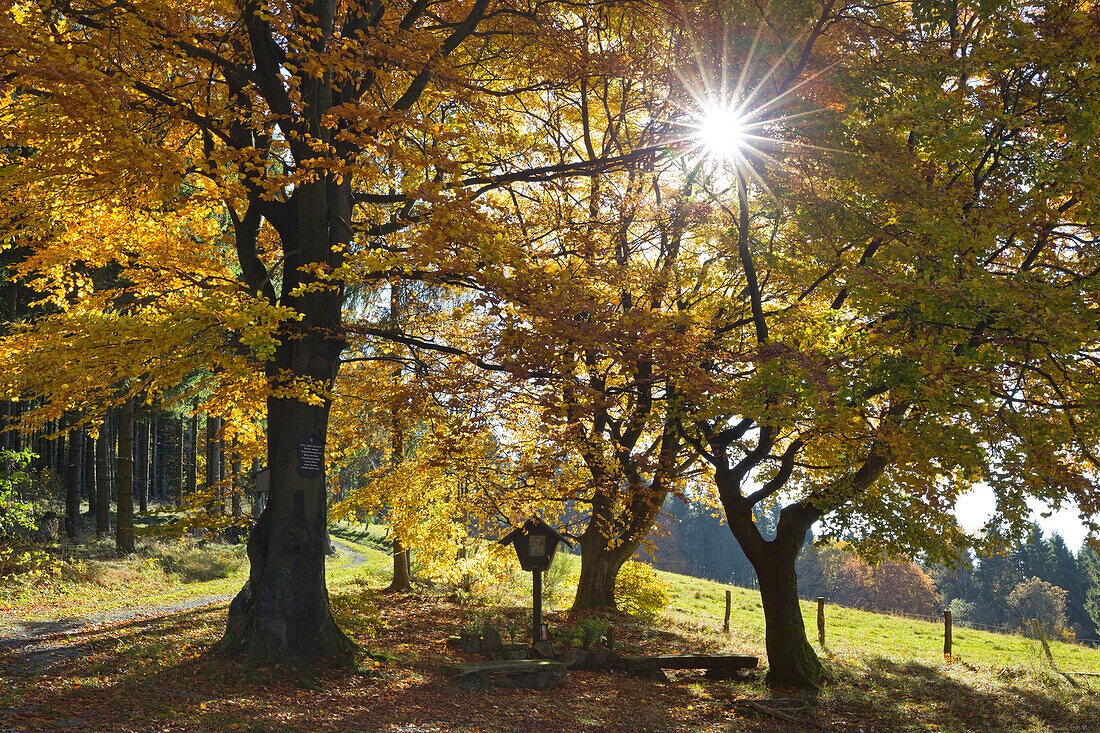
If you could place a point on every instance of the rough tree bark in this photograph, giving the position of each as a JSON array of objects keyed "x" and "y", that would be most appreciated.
[
  {"x": 193, "y": 454},
  {"x": 215, "y": 504},
  {"x": 124, "y": 526},
  {"x": 103, "y": 486},
  {"x": 91, "y": 478},
  {"x": 72, "y": 481},
  {"x": 283, "y": 615},
  {"x": 610, "y": 540},
  {"x": 142, "y": 464},
  {"x": 181, "y": 460}
]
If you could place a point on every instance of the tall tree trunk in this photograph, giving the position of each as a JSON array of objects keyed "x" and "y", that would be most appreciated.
[
  {"x": 791, "y": 659},
  {"x": 91, "y": 478},
  {"x": 9, "y": 426},
  {"x": 223, "y": 473},
  {"x": 143, "y": 464},
  {"x": 283, "y": 614},
  {"x": 211, "y": 485},
  {"x": 402, "y": 578},
  {"x": 57, "y": 454},
  {"x": 72, "y": 482},
  {"x": 193, "y": 454},
  {"x": 124, "y": 523},
  {"x": 236, "y": 483},
  {"x": 103, "y": 488},
  {"x": 156, "y": 489},
  {"x": 181, "y": 460}
]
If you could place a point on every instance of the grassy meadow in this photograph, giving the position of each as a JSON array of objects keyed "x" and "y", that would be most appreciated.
[{"x": 157, "y": 672}]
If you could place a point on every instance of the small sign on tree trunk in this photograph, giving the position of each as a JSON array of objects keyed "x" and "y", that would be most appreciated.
[{"x": 311, "y": 456}]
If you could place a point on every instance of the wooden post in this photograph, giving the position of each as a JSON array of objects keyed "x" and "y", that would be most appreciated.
[
  {"x": 726, "y": 623},
  {"x": 947, "y": 632},
  {"x": 1043, "y": 641},
  {"x": 821, "y": 620},
  {"x": 536, "y": 607}
]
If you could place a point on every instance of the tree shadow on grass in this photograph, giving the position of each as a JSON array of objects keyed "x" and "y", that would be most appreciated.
[
  {"x": 154, "y": 674},
  {"x": 890, "y": 695}
]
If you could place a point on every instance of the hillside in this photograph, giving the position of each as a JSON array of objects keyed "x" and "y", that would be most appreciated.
[{"x": 157, "y": 672}]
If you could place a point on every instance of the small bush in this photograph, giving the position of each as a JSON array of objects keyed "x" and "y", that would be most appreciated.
[
  {"x": 591, "y": 629},
  {"x": 195, "y": 564},
  {"x": 961, "y": 610},
  {"x": 639, "y": 592},
  {"x": 1036, "y": 599},
  {"x": 558, "y": 582}
]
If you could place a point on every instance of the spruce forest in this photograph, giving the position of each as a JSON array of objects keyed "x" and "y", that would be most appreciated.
[{"x": 307, "y": 304}]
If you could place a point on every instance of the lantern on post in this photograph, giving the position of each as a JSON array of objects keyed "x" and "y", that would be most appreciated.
[{"x": 535, "y": 543}]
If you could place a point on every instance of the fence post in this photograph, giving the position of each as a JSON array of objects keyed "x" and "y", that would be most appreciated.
[
  {"x": 726, "y": 623},
  {"x": 821, "y": 620},
  {"x": 1043, "y": 641},
  {"x": 947, "y": 632}
]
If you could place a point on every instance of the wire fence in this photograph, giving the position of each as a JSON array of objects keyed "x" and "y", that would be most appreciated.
[{"x": 965, "y": 623}]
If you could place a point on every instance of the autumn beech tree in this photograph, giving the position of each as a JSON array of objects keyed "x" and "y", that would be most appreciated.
[
  {"x": 890, "y": 300},
  {"x": 908, "y": 304},
  {"x": 315, "y": 133}
]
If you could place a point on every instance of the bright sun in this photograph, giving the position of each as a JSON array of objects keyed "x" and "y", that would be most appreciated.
[{"x": 722, "y": 133}]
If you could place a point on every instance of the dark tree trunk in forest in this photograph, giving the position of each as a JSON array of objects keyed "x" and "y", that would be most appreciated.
[
  {"x": 103, "y": 488},
  {"x": 58, "y": 466},
  {"x": 91, "y": 478},
  {"x": 181, "y": 460},
  {"x": 284, "y": 616},
  {"x": 10, "y": 437},
  {"x": 193, "y": 454},
  {"x": 223, "y": 472},
  {"x": 156, "y": 488},
  {"x": 142, "y": 471},
  {"x": 72, "y": 483},
  {"x": 213, "y": 507},
  {"x": 124, "y": 523},
  {"x": 235, "y": 482}
]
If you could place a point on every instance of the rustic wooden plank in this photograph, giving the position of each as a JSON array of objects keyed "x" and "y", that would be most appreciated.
[
  {"x": 503, "y": 666},
  {"x": 690, "y": 661},
  {"x": 534, "y": 673}
]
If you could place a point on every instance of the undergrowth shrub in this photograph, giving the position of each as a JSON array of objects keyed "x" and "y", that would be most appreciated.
[
  {"x": 194, "y": 563},
  {"x": 559, "y": 582},
  {"x": 639, "y": 592},
  {"x": 22, "y": 558}
]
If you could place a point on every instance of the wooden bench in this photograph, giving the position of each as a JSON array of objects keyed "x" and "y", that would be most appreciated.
[
  {"x": 536, "y": 673},
  {"x": 719, "y": 666}
]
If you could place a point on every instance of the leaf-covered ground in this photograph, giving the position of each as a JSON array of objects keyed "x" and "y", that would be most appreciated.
[{"x": 157, "y": 674}]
